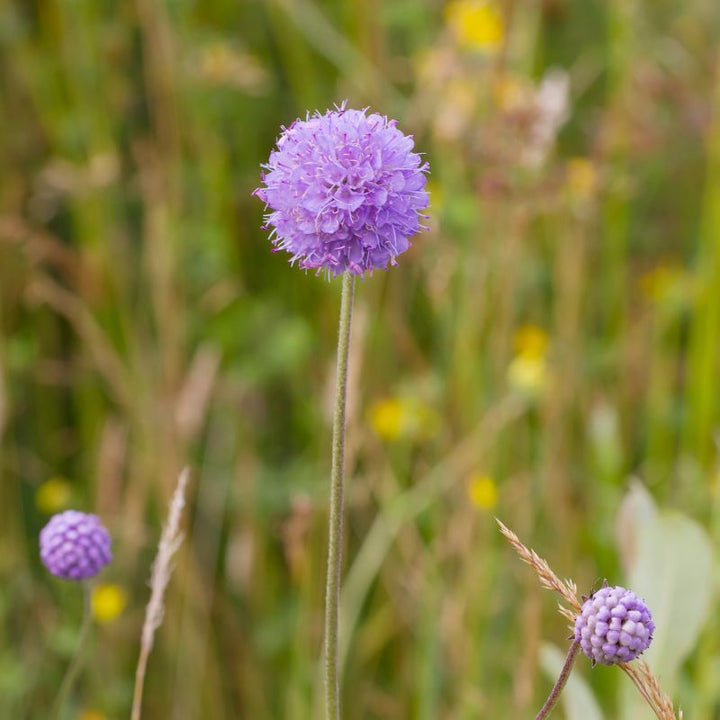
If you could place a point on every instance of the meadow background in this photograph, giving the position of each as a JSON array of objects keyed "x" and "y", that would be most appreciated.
[{"x": 548, "y": 353}]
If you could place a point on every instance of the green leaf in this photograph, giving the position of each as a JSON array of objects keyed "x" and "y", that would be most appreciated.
[
  {"x": 636, "y": 510},
  {"x": 673, "y": 571}
]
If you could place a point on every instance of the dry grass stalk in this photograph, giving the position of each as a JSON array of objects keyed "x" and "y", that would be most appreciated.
[
  {"x": 649, "y": 688},
  {"x": 170, "y": 540},
  {"x": 548, "y": 579},
  {"x": 639, "y": 672},
  {"x": 194, "y": 397}
]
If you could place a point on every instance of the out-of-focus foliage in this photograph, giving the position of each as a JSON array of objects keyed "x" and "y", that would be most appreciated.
[{"x": 555, "y": 333}]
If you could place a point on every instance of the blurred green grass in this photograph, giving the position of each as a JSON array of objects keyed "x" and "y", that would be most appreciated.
[{"x": 145, "y": 324}]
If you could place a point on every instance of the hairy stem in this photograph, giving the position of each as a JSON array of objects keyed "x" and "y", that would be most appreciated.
[
  {"x": 334, "y": 564},
  {"x": 560, "y": 684},
  {"x": 74, "y": 666}
]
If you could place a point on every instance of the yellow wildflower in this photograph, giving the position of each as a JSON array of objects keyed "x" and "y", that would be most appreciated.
[
  {"x": 219, "y": 64},
  {"x": 454, "y": 113},
  {"x": 435, "y": 192},
  {"x": 483, "y": 492},
  {"x": 477, "y": 24},
  {"x": 664, "y": 281},
  {"x": 510, "y": 93},
  {"x": 581, "y": 178},
  {"x": 91, "y": 715},
  {"x": 528, "y": 374},
  {"x": 531, "y": 342},
  {"x": 402, "y": 417},
  {"x": 386, "y": 418},
  {"x": 53, "y": 495},
  {"x": 107, "y": 602}
]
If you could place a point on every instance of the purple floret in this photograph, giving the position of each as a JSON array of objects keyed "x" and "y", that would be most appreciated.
[
  {"x": 614, "y": 626},
  {"x": 345, "y": 191},
  {"x": 75, "y": 545}
]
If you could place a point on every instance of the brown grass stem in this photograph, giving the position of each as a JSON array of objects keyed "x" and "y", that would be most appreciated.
[{"x": 170, "y": 540}]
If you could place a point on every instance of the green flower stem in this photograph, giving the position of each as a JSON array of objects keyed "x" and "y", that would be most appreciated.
[
  {"x": 560, "y": 684},
  {"x": 334, "y": 564},
  {"x": 74, "y": 666}
]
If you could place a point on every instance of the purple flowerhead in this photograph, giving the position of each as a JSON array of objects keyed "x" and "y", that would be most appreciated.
[
  {"x": 344, "y": 191},
  {"x": 614, "y": 626},
  {"x": 74, "y": 545}
]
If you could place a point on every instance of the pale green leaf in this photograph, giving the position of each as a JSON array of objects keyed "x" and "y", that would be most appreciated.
[
  {"x": 673, "y": 571},
  {"x": 636, "y": 510}
]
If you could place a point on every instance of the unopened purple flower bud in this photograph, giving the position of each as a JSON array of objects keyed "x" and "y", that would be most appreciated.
[
  {"x": 75, "y": 545},
  {"x": 345, "y": 191},
  {"x": 614, "y": 626}
]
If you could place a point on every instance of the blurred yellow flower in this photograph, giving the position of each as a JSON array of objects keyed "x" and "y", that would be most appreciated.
[
  {"x": 483, "y": 492},
  {"x": 531, "y": 342},
  {"x": 53, "y": 495},
  {"x": 510, "y": 93},
  {"x": 221, "y": 64},
  {"x": 667, "y": 281},
  {"x": 435, "y": 192},
  {"x": 386, "y": 417},
  {"x": 477, "y": 24},
  {"x": 92, "y": 715},
  {"x": 393, "y": 418},
  {"x": 454, "y": 111},
  {"x": 107, "y": 602},
  {"x": 527, "y": 374},
  {"x": 581, "y": 178}
]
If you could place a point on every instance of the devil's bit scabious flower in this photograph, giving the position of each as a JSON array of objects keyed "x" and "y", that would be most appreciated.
[
  {"x": 344, "y": 190},
  {"x": 74, "y": 545},
  {"x": 614, "y": 626}
]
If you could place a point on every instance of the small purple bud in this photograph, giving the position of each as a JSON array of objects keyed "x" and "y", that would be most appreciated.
[
  {"x": 614, "y": 626},
  {"x": 75, "y": 545}
]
